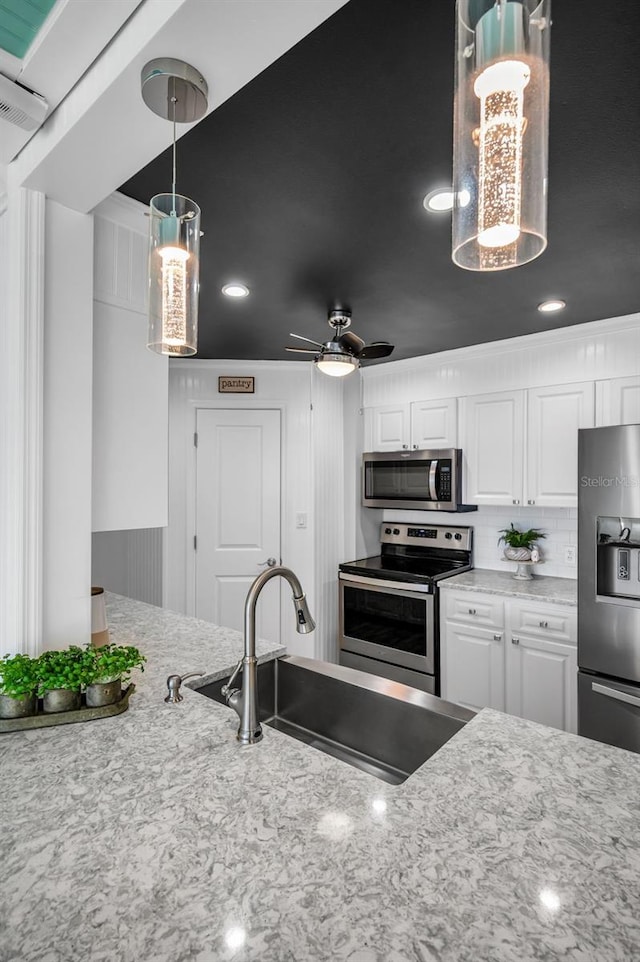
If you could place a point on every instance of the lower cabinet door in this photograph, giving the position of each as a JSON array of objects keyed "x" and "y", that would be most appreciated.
[
  {"x": 472, "y": 661},
  {"x": 542, "y": 681}
]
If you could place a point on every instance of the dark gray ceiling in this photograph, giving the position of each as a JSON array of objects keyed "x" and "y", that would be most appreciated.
[{"x": 311, "y": 180}]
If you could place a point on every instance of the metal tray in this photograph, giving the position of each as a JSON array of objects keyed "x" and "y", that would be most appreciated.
[{"x": 42, "y": 720}]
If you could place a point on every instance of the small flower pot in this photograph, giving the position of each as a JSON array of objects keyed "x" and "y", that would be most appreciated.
[
  {"x": 18, "y": 707},
  {"x": 61, "y": 699},
  {"x": 102, "y": 693},
  {"x": 517, "y": 554}
]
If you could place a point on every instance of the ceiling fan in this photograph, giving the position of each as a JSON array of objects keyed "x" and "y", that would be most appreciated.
[{"x": 342, "y": 354}]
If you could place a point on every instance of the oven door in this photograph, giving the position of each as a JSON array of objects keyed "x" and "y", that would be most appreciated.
[{"x": 389, "y": 621}]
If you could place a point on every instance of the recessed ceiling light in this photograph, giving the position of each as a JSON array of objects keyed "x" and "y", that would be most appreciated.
[
  {"x": 235, "y": 290},
  {"x": 548, "y": 307},
  {"x": 443, "y": 198}
]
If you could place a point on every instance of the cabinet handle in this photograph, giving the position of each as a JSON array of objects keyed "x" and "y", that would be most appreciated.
[
  {"x": 497, "y": 637},
  {"x": 472, "y": 611},
  {"x": 415, "y": 447},
  {"x": 544, "y": 624},
  {"x": 530, "y": 502},
  {"x": 515, "y": 501},
  {"x": 515, "y": 641},
  {"x": 404, "y": 447}
]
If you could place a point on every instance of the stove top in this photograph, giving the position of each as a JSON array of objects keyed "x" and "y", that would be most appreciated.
[{"x": 417, "y": 555}]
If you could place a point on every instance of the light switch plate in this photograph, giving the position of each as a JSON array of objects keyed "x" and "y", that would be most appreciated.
[
  {"x": 301, "y": 519},
  {"x": 570, "y": 552}
]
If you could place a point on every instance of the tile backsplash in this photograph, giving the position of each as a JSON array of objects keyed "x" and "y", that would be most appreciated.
[{"x": 559, "y": 524}]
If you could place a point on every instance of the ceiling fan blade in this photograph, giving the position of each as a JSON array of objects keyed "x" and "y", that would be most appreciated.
[
  {"x": 351, "y": 342},
  {"x": 300, "y": 350},
  {"x": 308, "y": 339},
  {"x": 377, "y": 349}
]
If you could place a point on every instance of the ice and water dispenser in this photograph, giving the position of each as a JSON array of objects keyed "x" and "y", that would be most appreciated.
[{"x": 618, "y": 547}]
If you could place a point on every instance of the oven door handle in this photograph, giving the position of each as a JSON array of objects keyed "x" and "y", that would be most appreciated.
[
  {"x": 615, "y": 693},
  {"x": 373, "y": 583},
  {"x": 433, "y": 467}
]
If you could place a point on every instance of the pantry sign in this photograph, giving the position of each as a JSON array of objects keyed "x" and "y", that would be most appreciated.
[{"x": 236, "y": 385}]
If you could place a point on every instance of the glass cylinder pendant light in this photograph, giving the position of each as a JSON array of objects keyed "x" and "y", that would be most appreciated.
[
  {"x": 177, "y": 92},
  {"x": 500, "y": 142}
]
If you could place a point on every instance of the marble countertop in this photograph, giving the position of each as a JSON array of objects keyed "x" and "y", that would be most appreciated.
[
  {"x": 155, "y": 837},
  {"x": 557, "y": 591}
]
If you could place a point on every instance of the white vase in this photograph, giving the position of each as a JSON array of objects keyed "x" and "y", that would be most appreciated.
[{"x": 517, "y": 554}]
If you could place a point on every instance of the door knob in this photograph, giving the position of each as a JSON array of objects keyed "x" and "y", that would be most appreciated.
[{"x": 271, "y": 562}]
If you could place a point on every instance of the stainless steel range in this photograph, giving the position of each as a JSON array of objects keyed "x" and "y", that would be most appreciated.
[{"x": 389, "y": 604}]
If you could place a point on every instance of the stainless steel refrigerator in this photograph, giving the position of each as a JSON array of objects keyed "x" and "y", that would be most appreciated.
[{"x": 609, "y": 585}]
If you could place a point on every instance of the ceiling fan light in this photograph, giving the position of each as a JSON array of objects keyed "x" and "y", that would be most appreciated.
[{"x": 337, "y": 365}]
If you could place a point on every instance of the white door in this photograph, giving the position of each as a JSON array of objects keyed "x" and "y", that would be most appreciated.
[
  {"x": 433, "y": 424},
  {"x": 387, "y": 427},
  {"x": 542, "y": 682},
  {"x": 493, "y": 447},
  {"x": 473, "y": 667},
  {"x": 237, "y": 515},
  {"x": 555, "y": 414}
]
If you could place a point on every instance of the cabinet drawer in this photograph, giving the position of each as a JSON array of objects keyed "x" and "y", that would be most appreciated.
[
  {"x": 542, "y": 621},
  {"x": 470, "y": 608}
]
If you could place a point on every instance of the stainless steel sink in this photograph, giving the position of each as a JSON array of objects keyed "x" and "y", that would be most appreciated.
[{"x": 377, "y": 725}]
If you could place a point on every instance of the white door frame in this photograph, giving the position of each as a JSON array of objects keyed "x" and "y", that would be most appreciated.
[{"x": 230, "y": 405}]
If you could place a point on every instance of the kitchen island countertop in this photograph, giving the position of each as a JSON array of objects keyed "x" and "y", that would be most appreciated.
[{"x": 155, "y": 837}]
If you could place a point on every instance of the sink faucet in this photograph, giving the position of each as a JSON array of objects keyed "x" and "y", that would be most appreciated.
[{"x": 244, "y": 701}]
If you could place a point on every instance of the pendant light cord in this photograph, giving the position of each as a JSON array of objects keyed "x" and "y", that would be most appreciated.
[{"x": 173, "y": 181}]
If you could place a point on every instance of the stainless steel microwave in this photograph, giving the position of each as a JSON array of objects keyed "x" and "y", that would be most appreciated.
[{"x": 423, "y": 480}]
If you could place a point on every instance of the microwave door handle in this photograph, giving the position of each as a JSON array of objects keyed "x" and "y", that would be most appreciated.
[
  {"x": 433, "y": 467},
  {"x": 614, "y": 693}
]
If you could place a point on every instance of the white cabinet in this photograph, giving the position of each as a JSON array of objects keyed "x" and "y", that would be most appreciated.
[
  {"x": 541, "y": 681},
  {"x": 472, "y": 664},
  {"x": 493, "y": 447},
  {"x": 434, "y": 424},
  {"x": 387, "y": 427},
  {"x": 521, "y": 447},
  {"x": 554, "y": 415},
  {"x": 618, "y": 401},
  {"x": 510, "y": 654},
  {"x": 421, "y": 425}
]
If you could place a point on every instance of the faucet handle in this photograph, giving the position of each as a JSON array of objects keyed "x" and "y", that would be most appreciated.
[{"x": 173, "y": 685}]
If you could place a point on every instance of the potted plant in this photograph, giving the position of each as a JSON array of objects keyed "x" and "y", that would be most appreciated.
[
  {"x": 61, "y": 675},
  {"x": 18, "y": 686},
  {"x": 112, "y": 665},
  {"x": 519, "y": 543}
]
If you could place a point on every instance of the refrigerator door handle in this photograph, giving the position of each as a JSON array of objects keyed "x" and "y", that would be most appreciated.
[{"x": 614, "y": 693}]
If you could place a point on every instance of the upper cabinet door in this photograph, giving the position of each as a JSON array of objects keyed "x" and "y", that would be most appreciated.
[
  {"x": 493, "y": 447},
  {"x": 555, "y": 415},
  {"x": 618, "y": 401},
  {"x": 433, "y": 424},
  {"x": 387, "y": 428}
]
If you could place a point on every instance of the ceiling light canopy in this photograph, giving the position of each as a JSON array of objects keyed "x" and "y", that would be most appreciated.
[
  {"x": 177, "y": 92},
  {"x": 235, "y": 289},
  {"x": 548, "y": 307},
  {"x": 500, "y": 145}
]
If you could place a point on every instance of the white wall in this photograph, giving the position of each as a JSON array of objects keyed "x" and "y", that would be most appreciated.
[
  {"x": 67, "y": 426},
  {"x": 129, "y": 563},
  {"x": 596, "y": 351},
  {"x": 130, "y": 383}
]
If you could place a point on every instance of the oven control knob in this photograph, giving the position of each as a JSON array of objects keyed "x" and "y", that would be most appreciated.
[
  {"x": 448, "y": 536},
  {"x": 387, "y": 530},
  {"x": 458, "y": 536},
  {"x": 396, "y": 530}
]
